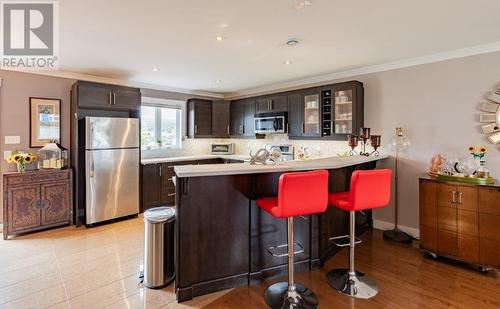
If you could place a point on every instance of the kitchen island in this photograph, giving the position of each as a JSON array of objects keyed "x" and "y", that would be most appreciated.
[{"x": 222, "y": 236}]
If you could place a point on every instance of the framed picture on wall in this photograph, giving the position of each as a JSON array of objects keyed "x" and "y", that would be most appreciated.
[{"x": 45, "y": 121}]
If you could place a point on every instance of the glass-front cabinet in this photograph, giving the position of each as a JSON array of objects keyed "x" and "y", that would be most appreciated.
[
  {"x": 343, "y": 112},
  {"x": 341, "y": 109},
  {"x": 311, "y": 115}
]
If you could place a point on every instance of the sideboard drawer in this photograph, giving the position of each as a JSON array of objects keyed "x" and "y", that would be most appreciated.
[{"x": 36, "y": 177}]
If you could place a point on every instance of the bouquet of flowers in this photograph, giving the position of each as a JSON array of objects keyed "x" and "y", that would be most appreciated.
[{"x": 21, "y": 158}]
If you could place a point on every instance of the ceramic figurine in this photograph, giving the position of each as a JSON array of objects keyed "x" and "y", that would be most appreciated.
[{"x": 436, "y": 163}]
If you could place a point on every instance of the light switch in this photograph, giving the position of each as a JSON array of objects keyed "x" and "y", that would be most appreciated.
[
  {"x": 11, "y": 140},
  {"x": 6, "y": 153}
]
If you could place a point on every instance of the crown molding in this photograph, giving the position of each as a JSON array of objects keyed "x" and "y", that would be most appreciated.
[
  {"x": 119, "y": 82},
  {"x": 328, "y": 78}
]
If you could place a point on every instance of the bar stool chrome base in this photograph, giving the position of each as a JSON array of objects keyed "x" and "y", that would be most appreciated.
[
  {"x": 358, "y": 286},
  {"x": 277, "y": 296}
]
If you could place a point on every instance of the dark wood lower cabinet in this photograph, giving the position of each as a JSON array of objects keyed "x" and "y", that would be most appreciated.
[
  {"x": 36, "y": 200},
  {"x": 460, "y": 221},
  {"x": 232, "y": 235}
]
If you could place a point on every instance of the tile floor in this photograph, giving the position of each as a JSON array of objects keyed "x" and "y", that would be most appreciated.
[{"x": 81, "y": 268}]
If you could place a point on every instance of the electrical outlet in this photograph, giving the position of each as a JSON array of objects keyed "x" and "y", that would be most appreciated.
[
  {"x": 6, "y": 153},
  {"x": 11, "y": 140}
]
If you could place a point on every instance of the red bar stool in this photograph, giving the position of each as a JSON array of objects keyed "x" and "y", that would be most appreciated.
[
  {"x": 369, "y": 189},
  {"x": 299, "y": 194}
]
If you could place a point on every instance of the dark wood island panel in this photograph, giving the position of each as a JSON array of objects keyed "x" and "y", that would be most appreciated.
[{"x": 222, "y": 236}]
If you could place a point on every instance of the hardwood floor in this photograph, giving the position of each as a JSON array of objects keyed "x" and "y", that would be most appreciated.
[{"x": 99, "y": 268}]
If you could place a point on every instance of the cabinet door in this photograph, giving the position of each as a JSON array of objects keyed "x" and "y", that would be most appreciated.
[
  {"x": 92, "y": 95},
  {"x": 23, "y": 208},
  {"x": 126, "y": 98},
  {"x": 468, "y": 248},
  {"x": 199, "y": 118},
  {"x": 249, "y": 121},
  {"x": 263, "y": 105},
  {"x": 311, "y": 115},
  {"x": 220, "y": 119},
  {"x": 279, "y": 103},
  {"x": 55, "y": 203},
  {"x": 151, "y": 186},
  {"x": 489, "y": 200},
  {"x": 447, "y": 195},
  {"x": 295, "y": 115},
  {"x": 467, "y": 198},
  {"x": 167, "y": 185},
  {"x": 448, "y": 243},
  {"x": 488, "y": 252},
  {"x": 428, "y": 216},
  {"x": 237, "y": 117}
]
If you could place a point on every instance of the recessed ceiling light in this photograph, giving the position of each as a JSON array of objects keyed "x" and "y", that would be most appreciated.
[
  {"x": 155, "y": 69},
  {"x": 292, "y": 42},
  {"x": 218, "y": 81},
  {"x": 302, "y": 4},
  {"x": 220, "y": 38},
  {"x": 287, "y": 62}
]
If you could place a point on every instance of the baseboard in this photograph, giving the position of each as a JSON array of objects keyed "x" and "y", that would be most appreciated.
[{"x": 383, "y": 225}]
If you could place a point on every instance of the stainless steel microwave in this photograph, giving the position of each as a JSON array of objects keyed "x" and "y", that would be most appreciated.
[{"x": 271, "y": 123}]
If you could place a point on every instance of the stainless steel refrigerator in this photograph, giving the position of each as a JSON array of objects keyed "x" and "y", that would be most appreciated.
[{"x": 111, "y": 168}]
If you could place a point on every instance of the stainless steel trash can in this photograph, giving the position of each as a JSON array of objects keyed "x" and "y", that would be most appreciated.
[{"x": 159, "y": 264}]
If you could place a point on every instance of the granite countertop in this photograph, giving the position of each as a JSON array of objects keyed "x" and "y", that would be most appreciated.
[
  {"x": 287, "y": 166},
  {"x": 193, "y": 158}
]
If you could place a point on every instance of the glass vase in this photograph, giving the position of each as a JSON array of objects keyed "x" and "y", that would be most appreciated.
[{"x": 21, "y": 167}]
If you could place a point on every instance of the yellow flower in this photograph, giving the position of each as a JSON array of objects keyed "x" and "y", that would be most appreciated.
[
  {"x": 16, "y": 158},
  {"x": 482, "y": 149},
  {"x": 471, "y": 149}
]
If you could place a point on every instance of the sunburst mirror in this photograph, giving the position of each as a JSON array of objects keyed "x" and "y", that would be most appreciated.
[{"x": 490, "y": 117}]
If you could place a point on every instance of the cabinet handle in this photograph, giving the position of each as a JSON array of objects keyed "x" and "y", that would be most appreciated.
[
  {"x": 171, "y": 179},
  {"x": 114, "y": 98},
  {"x": 171, "y": 194},
  {"x": 170, "y": 166},
  {"x": 110, "y": 98},
  {"x": 160, "y": 170},
  {"x": 272, "y": 104},
  {"x": 303, "y": 127},
  {"x": 228, "y": 130},
  {"x": 460, "y": 197},
  {"x": 243, "y": 129},
  {"x": 453, "y": 200},
  {"x": 195, "y": 129}
]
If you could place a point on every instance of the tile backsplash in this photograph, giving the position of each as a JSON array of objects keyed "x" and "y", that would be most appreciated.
[{"x": 201, "y": 146}]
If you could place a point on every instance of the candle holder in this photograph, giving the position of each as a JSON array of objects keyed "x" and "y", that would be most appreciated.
[
  {"x": 375, "y": 143},
  {"x": 364, "y": 140},
  {"x": 352, "y": 141},
  {"x": 364, "y": 135}
]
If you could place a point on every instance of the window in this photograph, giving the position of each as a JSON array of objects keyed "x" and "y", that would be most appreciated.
[{"x": 160, "y": 125}]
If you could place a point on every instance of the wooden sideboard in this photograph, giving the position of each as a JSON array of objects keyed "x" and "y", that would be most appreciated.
[
  {"x": 460, "y": 221},
  {"x": 36, "y": 200}
]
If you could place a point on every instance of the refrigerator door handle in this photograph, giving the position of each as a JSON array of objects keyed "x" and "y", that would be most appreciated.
[{"x": 91, "y": 165}]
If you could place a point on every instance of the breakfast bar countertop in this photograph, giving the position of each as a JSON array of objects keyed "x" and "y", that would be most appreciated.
[{"x": 184, "y": 171}]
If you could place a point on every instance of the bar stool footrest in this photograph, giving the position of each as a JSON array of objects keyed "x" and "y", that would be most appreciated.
[
  {"x": 282, "y": 250},
  {"x": 343, "y": 241}
]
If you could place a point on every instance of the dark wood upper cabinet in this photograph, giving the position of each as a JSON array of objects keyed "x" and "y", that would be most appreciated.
[
  {"x": 110, "y": 97},
  {"x": 237, "y": 118},
  {"x": 295, "y": 115},
  {"x": 274, "y": 103},
  {"x": 242, "y": 118},
  {"x": 249, "y": 118},
  {"x": 127, "y": 98},
  {"x": 220, "y": 118},
  {"x": 199, "y": 118}
]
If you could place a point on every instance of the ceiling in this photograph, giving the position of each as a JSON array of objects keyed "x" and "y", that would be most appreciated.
[{"x": 125, "y": 40}]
